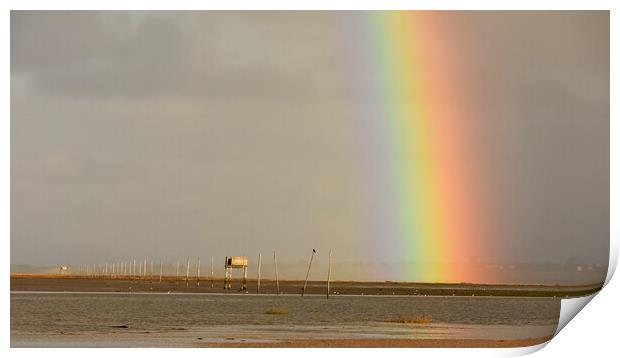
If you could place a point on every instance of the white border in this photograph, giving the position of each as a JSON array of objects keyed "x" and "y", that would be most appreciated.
[{"x": 593, "y": 329}]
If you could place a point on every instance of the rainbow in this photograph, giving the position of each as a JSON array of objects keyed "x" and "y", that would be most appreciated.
[{"x": 424, "y": 188}]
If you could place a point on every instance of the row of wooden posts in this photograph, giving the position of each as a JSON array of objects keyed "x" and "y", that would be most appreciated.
[{"x": 127, "y": 269}]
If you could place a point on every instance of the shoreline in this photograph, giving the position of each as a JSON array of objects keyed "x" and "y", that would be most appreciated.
[
  {"x": 59, "y": 283},
  {"x": 63, "y": 342},
  {"x": 388, "y": 343}
]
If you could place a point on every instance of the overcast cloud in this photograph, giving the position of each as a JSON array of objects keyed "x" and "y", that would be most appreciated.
[{"x": 170, "y": 133}]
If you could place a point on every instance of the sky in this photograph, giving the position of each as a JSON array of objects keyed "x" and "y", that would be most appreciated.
[{"x": 219, "y": 133}]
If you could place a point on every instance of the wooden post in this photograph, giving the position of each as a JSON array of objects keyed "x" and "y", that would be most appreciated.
[
  {"x": 275, "y": 263},
  {"x": 329, "y": 271},
  {"x": 151, "y": 276},
  {"x": 144, "y": 270},
  {"x": 244, "y": 287},
  {"x": 303, "y": 290},
  {"x": 198, "y": 272},
  {"x": 258, "y": 274},
  {"x": 187, "y": 273},
  {"x": 161, "y": 268},
  {"x": 212, "y": 272},
  {"x": 177, "y": 275},
  {"x": 134, "y": 268},
  {"x": 226, "y": 274}
]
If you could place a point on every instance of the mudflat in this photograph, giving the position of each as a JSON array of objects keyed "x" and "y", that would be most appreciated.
[
  {"x": 56, "y": 283},
  {"x": 185, "y": 319}
]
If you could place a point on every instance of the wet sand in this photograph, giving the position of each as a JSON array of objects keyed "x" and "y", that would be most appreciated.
[
  {"x": 388, "y": 343},
  {"x": 56, "y": 283},
  {"x": 162, "y": 342}
]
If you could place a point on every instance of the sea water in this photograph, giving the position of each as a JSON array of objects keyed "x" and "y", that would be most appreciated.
[{"x": 160, "y": 319}]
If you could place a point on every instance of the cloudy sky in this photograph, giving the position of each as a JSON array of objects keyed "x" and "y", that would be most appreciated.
[{"x": 167, "y": 134}]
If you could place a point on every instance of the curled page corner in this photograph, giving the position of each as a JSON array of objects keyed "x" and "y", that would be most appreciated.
[
  {"x": 569, "y": 309},
  {"x": 523, "y": 351},
  {"x": 613, "y": 259}
]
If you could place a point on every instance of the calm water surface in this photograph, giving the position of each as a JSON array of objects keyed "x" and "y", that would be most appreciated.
[{"x": 99, "y": 319}]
